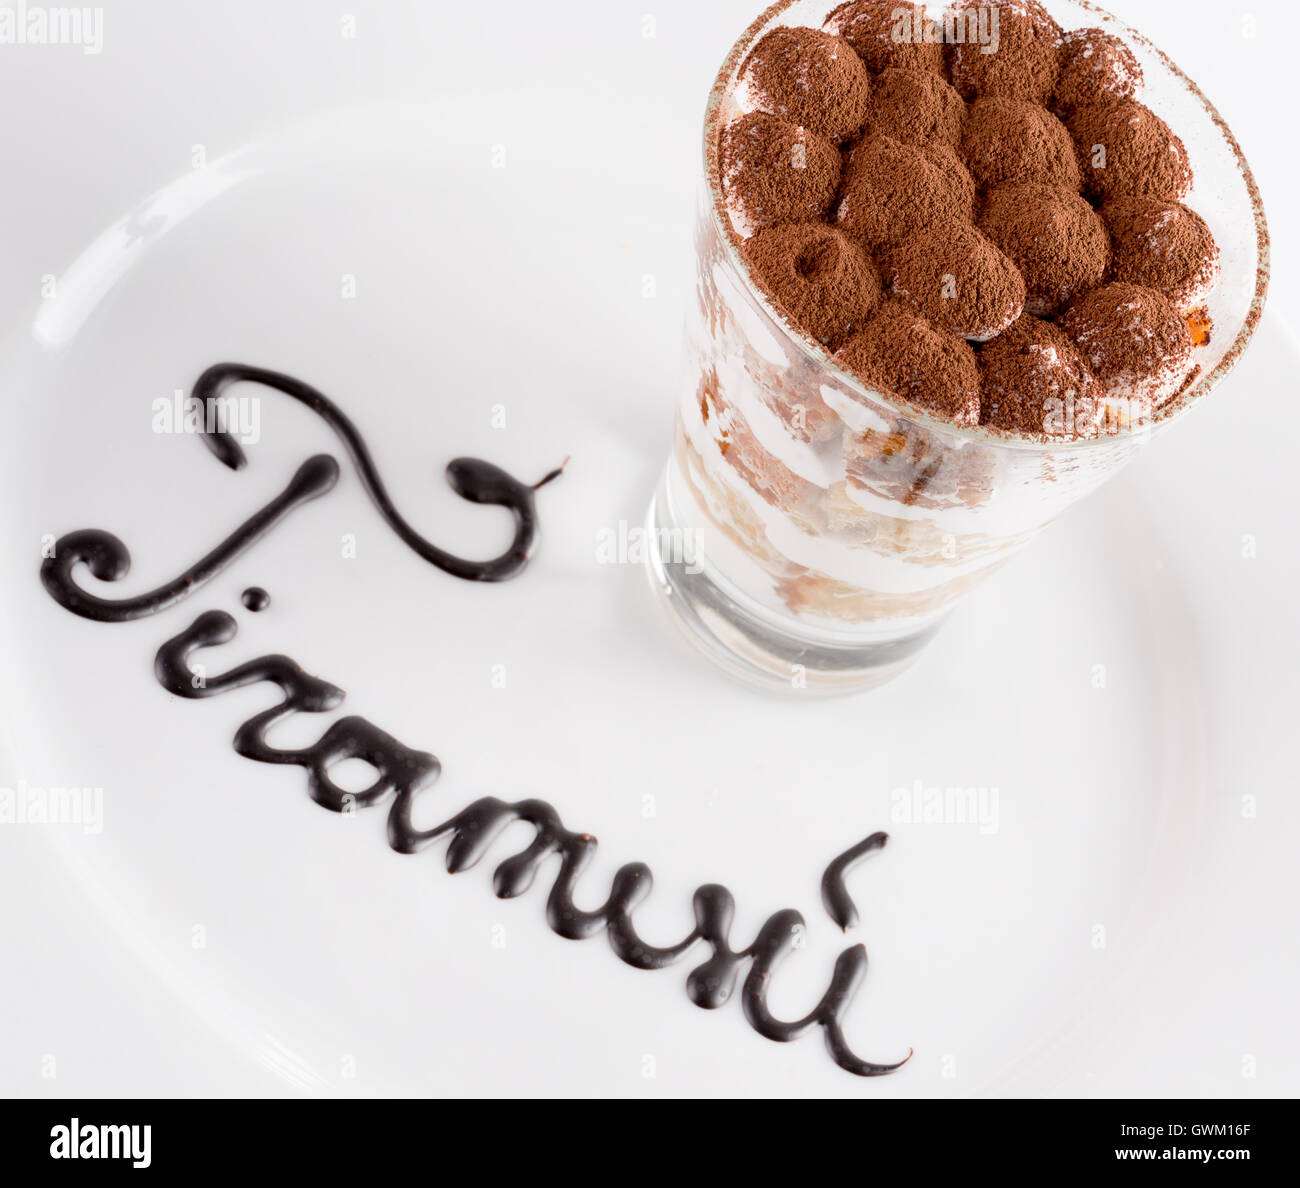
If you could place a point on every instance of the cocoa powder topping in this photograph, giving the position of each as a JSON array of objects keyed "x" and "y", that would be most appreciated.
[
  {"x": 956, "y": 177},
  {"x": 1024, "y": 63},
  {"x": 897, "y": 218},
  {"x": 1095, "y": 66},
  {"x": 1165, "y": 246},
  {"x": 915, "y": 107},
  {"x": 822, "y": 280},
  {"x": 958, "y": 279},
  {"x": 1036, "y": 381},
  {"x": 884, "y": 34},
  {"x": 1053, "y": 236},
  {"x": 900, "y": 354},
  {"x": 1009, "y": 140},
  {"x": 1128, "y": 151},
  {"x": 1136, "y": 343},
  {"x": 774, "y": 172},
  {"x": 810, "y": 78},
  {"x": 894, "y": 191}
]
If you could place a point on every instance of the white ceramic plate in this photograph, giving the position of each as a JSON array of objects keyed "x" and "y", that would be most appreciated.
[{"x": 1109, "y": 927}]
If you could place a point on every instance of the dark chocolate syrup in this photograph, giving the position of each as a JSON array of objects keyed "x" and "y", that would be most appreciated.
[
  {"x": 471, "y": 478},
  {"x": 836, "y": 899},
  {"x": 109, "y": 559},
  {"x": 403, "y": 773}
]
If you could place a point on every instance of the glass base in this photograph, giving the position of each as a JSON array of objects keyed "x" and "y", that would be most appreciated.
[{"x": 750, "y": 643}]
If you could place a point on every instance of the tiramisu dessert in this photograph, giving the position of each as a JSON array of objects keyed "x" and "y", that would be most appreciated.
[{"x": 951, "y": 275}]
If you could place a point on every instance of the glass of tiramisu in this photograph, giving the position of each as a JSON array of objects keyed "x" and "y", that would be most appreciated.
[{"x": 956, "y": 266}]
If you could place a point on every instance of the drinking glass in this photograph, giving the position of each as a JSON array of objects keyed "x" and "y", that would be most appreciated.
[{"x": 811, "y": 533}]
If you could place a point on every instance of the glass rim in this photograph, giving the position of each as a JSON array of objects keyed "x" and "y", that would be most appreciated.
[{"x": 1174, "y": 410}]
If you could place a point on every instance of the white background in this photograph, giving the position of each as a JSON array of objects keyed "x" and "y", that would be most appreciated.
[{"x": 86, "y": 138}]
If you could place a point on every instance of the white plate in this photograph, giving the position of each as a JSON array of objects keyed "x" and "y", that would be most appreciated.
[{"x": 1119, "y": 687}]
